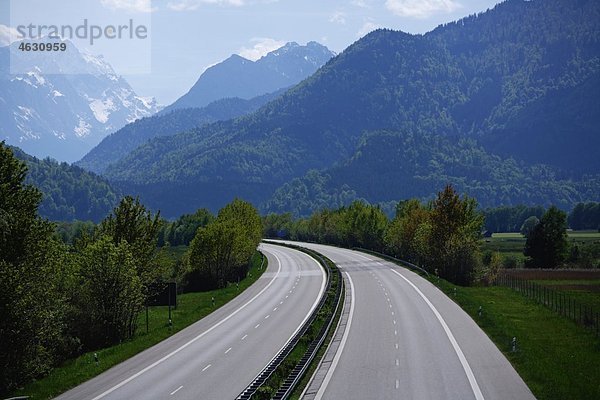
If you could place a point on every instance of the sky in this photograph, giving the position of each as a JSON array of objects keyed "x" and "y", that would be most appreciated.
[{"x": 187, "y": 36}]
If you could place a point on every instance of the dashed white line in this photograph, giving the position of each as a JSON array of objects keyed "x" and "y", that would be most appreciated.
[
  {"x": 394, "y": 322},
  {"x": 396, "y": 346},
  {"x": 267, "y": 317},
  {"x": 207, "y": 367},
  {"x": 397, "y": 362},
  {"x": 228, "y": 350},
  {"x": 281, "y": 302},
  {"x": 395, "y": 332},
  {"x": 257, "y": 325},
  {"x": 176, "y": 390},
  {"x": 397, "y": 384},
  {"x": 275, "y": 309},
  {"x": 392, "y": 313},
  {"x": 244, "y": 337},
  {"x": 171, "y": 354}
]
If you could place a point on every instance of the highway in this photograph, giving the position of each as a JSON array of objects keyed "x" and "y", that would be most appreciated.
[
  {"x": 217, "y": 357},
  {"x": 404, "y": 339}
]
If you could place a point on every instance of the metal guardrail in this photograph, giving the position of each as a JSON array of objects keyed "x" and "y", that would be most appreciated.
[
  {"x": 298, "y": 372},
  {"x": 382, "y": 255},
  {"x": 266, "y": 373}
]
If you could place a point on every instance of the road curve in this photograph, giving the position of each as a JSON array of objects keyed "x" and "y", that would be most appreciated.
[
  {"x": 406, "y": 339},
  {"x": 218, "y": 356}
]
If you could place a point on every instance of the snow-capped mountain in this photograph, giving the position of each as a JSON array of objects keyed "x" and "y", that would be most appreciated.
[
  {"x": 64, "y": 115},
  {"x": 245, "y": 79}
]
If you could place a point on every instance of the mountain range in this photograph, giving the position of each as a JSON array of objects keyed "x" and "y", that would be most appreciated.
[
  {"x": 119, "y": 144},
  {"x": 64, "y": 115},
  {"x": 504, "y": 104},
  {"x": 246, "y": 79}
]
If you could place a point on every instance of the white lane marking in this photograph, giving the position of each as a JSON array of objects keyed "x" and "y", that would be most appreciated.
[
  {"x": 244, "y": 337},
  {"x": 397, "y": 362},
  {"x": 257, "y": 325},
  {"x": 207, "y": 367},
  {"x": 338, "y": 354},
  {"x": 312, "y": 308},
  {"x": 275, "y": 309},
  {"x": 397, "y": 383},
  {"x": 394, "y": 322},
  {"x": 176, "y": 390},
  {"x": 395, "y": 332},
  {"x": 392, "y": 313},
  {"x": 457, "y": 349},
  {"x": 228, "y": 350},
  {"x": 171, "y": 354},
  {"x": 267, "y": 317},
  {"x": 281, "y": 302},
  {"x": 390, "y": 306},
  {"x": 396, "y": 346},
  {"x": 287, "y": 297}
]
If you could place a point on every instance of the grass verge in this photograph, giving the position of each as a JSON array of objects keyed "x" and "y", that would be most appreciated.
[{"x": 191, "y": 307}]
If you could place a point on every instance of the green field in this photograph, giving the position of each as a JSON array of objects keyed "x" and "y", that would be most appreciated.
[
  {"x": 191, "y": 307},
  {"x": 511, "y": 245}
]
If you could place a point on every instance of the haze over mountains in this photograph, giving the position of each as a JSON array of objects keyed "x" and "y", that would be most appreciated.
[
  {"x": 64, "y": 115},
  {"x": 245, "y": 79},
  {"x": 503, "y": 104}
]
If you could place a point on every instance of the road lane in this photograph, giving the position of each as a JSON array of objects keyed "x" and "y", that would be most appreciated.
[
  {"x": 217, "y": 357},
  {"x": 408, "y": 340}
]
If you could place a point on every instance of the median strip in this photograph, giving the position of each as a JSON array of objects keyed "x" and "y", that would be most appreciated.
[{"x": 282, "y": 375}]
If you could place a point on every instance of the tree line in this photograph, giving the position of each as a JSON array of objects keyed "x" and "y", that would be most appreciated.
[{"x": 442, "y": 235}]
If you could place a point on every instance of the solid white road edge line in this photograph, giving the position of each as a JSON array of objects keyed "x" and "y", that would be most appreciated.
[
  {"x": 457, "y": 349},
  {"x": 338, "y": 354},
  {"x": 321, "y": 291},
  {"x": 171, "y": 354}
]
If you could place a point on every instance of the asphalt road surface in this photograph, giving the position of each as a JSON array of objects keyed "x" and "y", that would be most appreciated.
[
  {"x": 217, "y": 357},
  {"x": 406, "y": 340}
]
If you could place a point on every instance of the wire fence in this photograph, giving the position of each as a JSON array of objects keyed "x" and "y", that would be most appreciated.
[{"x": 557, "y": 301}]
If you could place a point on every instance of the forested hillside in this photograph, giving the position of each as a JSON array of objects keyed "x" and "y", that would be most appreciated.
[
  {"x": 68, "y": 192},
  {"x": 119, "y": 144},
  {"x": 390, "y": 166},
  {"x": 477, "y": 102}
]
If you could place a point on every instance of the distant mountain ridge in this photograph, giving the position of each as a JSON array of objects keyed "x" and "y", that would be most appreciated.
[
  {"x": 125, "y": 140},
  {"x": 64, "y": 115},
  {"x": 246, "y": 79},
  {"x": 459, "y": 101}
]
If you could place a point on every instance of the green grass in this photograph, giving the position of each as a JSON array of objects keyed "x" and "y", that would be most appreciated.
[
  {"x": 191, "y": 307},
  {"x": 556, "y": 358}
]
